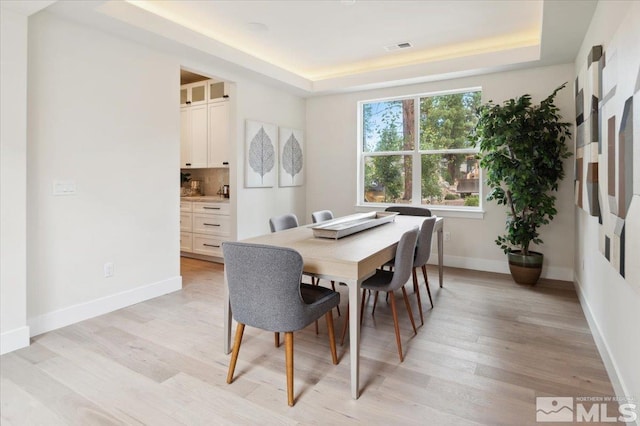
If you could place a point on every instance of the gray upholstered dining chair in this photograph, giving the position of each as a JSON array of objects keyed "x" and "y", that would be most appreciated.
[
  {"x": 321, "y": 216},
  {"x": 389, "y": 281},
  {"x": 409, "y": 210},
  {"x": 265, "y": 292},
  {"x": 281, "y": 223},
  {"x": 285, "y": 221},
  {"x": 423, "y": 252}
]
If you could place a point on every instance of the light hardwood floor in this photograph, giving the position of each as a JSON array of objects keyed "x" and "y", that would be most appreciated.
[{"x": 486, "y": 350}]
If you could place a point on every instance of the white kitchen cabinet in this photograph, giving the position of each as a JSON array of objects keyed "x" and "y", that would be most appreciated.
[
  {"x": 217, "y": 91},
  {"x": 194, "y": 93},
  {"x": 218, "y": 135},
  {"x": 186, "y": 242},
  {"x": 207, "y": 245},
  {"x": 213, "y": 224},
  {"x": 193, "y": 137},
  {"x": 186, "y": 222},
  {"x": 204, "y": 227},
  {"x": 211, "y": 207}
]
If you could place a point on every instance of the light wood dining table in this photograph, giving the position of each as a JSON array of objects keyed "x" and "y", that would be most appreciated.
[{"x": 350, "y": 260}]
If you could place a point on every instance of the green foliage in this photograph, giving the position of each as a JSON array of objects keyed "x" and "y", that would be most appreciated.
[
  {"x": 472, "y": 201},
  {"x": 451, "y": 197},
  {"x": 522, "y": 151},
  {"x": 445, "y": 122}
]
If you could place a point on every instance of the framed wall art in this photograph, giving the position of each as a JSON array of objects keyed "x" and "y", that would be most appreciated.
[
  {"x": 291, "y": 157},
  {"x": 260, "y": 154}
]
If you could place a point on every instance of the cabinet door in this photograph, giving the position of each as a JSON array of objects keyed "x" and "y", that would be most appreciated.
[
  {"x": 218, "y": 135},
  {"x": 185, "y": 137},
  {"x": 193, "y": 137},
  {"x": 186, "y": 222},
  {"x": 199, "y": 93},
  {"x": 186, "y": 242},
  {"x": 199, "y": 140},
  {"x": 194, "y": 93}
]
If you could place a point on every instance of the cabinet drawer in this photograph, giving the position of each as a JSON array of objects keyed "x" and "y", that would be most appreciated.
[
  {"x": 186, "y": 222},
  {"x": 185, "y": 206},
  {"x": 212, "y": 224},
  {"x": 186, "y": 241},
  {"x": 208, "y": 245},
  {"x": 215, "y": 208}
]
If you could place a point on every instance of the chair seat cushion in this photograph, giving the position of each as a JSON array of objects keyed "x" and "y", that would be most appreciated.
[{"x": 379, "y": 281}]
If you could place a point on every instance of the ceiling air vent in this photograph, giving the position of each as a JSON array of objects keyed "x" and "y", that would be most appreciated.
[{"x": 398, "y": 46}]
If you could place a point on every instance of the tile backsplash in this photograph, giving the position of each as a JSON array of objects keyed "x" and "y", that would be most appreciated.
[{"x": 212, "y": 179}]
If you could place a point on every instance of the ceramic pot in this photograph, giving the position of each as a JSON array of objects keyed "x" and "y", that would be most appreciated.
[{"x": 525, "y": 269}]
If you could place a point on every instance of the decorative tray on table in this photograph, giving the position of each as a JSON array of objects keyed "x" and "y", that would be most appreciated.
[{"x": 341, "y": 227}]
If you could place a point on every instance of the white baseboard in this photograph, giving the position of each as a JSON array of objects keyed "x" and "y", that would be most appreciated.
[
  {"x": 499, "y": 266},
  {"x": 14, "y": 339},
  {"x": 80, "y": 312},
  {"x": 609, "y": 363}
]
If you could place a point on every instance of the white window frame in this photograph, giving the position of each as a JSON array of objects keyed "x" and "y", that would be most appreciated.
[{"x": 416, "y": 153}]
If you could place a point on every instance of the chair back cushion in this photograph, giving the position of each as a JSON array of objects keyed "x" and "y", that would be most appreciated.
[
  {"x": 321, "y": 216},
  {"x": 265, "y": 290},
  {"x": 404, "y": 259},
  {"x": 423, "y": 249},
  {"x": 409, "y": 211},
  {"x": 280, "y": 223}
]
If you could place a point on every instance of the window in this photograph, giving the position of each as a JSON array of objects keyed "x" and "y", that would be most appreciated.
[{"x": 416, "y": 150}]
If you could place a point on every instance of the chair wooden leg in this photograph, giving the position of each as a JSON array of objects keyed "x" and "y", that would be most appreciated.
[
  {"x": 276, "y": 339},
  {"x": 288, "y": 349},
  {"x": 426, "y": 281},
  {"x": 235, "y": 352},
  {"x": 333, "y": 287},
  {"x": 395, "y": 323},
  {"x": 317, "y": 330},
  {"x": 416, "y": 289},
  {"x": 375, "y": 302},
  {"x": 364, "y": 292},
  {"x": 409, "y": 311},
  {"x": 332, "y": 338}
]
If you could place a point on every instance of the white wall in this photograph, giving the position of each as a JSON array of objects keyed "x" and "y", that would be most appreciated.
[
  {"x": 611, "y": 303},
  {"x": 257, "y": 205},
  {"x": 332, "y": 176},
  {"x": 104, "y": 113},
  {"x": 14, "y": 332}
]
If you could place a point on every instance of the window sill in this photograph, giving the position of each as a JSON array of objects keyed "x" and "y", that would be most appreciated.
[{"x": 437, "y": 211}]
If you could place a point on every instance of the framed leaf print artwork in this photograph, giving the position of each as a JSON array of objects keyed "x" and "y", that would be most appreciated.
[
  {"x": 291, "y": 158},
  {"x": 260, "y": 154}
]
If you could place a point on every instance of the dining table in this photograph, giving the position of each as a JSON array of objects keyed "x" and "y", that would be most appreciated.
[{"x": 351, "y": 260}]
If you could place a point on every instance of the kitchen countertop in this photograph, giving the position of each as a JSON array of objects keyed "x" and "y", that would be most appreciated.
[{"x": 206, "y": 198}]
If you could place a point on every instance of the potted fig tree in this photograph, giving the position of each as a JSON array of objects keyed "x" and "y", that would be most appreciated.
[{"x": 522, "y": 148}]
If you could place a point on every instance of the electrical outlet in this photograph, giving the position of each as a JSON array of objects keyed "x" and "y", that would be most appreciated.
[
  {"x": 108, "y": 269},
  {"x": 447, "y": 236}
]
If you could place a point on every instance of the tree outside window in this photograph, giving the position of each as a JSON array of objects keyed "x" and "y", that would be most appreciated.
[{"x": 440, "y": 150}]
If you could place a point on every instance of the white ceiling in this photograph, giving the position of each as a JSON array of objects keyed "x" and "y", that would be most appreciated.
[{"x": 335, "y": 45}]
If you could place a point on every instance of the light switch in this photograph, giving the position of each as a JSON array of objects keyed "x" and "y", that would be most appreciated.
[{"x": 64, "y": 187}]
